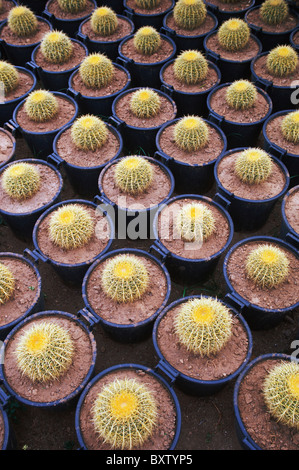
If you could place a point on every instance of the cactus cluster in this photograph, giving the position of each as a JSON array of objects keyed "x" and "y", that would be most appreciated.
[
  {"x": 281, "y": 393},
  {"x": 267, "y": 266},
  {"x": 147, "y": 4},
  {"x": 241, "y": 94},
  {"x": 41, "y": 106},
  {"x": 7, "y": 284},
  {"x": 125, "y": 278},
  {"x": 104, "y": 21},
  {"x": 191, "y": 133},
  {"x": 44, "y": 352},
  {"x": 195, "y": 222},
  {"x": 274, "y": 12},
  {"x": 145, "y": 103},
  {"x": 72, "y": 6},
  {"x": 89, "y": 132},
  {"x": 133, "y": 174},
  {"x": 125, "y": 413},
  {"x": 56, "y": 47},
  {"x": 22, "y": 21},
  {"x": 147, "y": 40},
  {"x": 290, "y": 127},
  {"x": 21, "y": 181},
  {"x": 9, "y": 76},
  {"x": 203, "y": 325},
  {"x": 282, "y": 61},
  {"x": 253, "y": 166},
  {"x": 96, "y": 70},
  {"x": 233, "y": 35},
  {"x": 190, "y": 67},
  {"x": 189, "y": 14},
  {"x": 71, "y": 226}
]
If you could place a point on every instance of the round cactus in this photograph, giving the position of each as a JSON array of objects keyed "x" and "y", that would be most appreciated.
[
  {"x": 145, "y": 103},
  {"x": 147, "y": 4},
  {"x": 253, "y": 166},
  {"x": 274, "y": 12},
  {"x": 103, "y": 21},
  {"x": 195, "y": 222},
  {"x": 203, "y": 326},
  {"x": 189, "y": 14},
  {"x": 191, "y": 133},
  {"x": 147, "y": 40},
  {"x": 56, "y": 47},
  {"x": 72, "y": 6},
  {"x": 241, "y": 94},
  {"x": 41, "y": 105},
  {"x": 233, "y": 35},
  {"x": 89, "y": 132},
  {"x": 282, "y": 61},
  {"x": 267, "y": 266},
  {"x": 21, "y": 181},
  {"x": 22, "y": 21},
  {"x": 7, "y": 283},
  {"x": 71, "y": 226},
  {"x": 44, "y": 352},
  {"x": 290, "y": 127},
  {"x": 9, "y": 76},
  {"x": 125, "y": 278},
  {"x": 125, "y": 413},
  {"x": 190, "y": 67},
  {"x": 96, "y": 70},
  {"x": 281, "y": 393},
  {"x": 133, "y": 174}
]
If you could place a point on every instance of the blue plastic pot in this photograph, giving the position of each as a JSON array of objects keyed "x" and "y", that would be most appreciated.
[
  {"x": 12, "y": 154},
  {"x": 8, "y": 438},
  {"x": 70, "y": 399},
  {"x": 190, "y": 178},
  {"x": 38, "y": 303},
  {"x": 224, "y": 15},
  {"x": 13, "y": 4},
  {"x": 134, "y": 367},
  {"x": 97, "y": 105},
  {"x": 185, "y": 270},
  {"x": 238, "y": 134},
  {"x": 109, "y": 48},
  {"x": 258, "y": 318},
  {"x": 131, "y": 332},
  {"x": 287, "y": 232},
  {"x": 141, "y": 19},
  {"x": 292, "y": 40},
  {"x": 247, "y": 214}
]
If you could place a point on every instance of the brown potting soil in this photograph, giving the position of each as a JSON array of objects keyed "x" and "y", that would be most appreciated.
[
  {"x": 204, "y": 28},
  {"x": 10, "y": 38},
  {"x": 2, "y": 430},
  {"x": 275, "y": 135},
  {"x": 54, "y": 8},
  {"x": 76, "y": 58},
  {"x": 253, "y": 17},
  {"x": 162, "y": 54},
  {"x": 163, "y": 6},
  {"x": 24, "y": 85},
  {"x": 296, "y": 38},
  {"x": 236, "y": 6},
  {"x": 118, "y": 82},
  {"x": 124, "y": 28},
  {"x": 292, "y": 209},
  {"x": 247, "y": 53},
  {"x": 206, "y": 84},
  {"x": 6, "y": 146},
  {"x": 260, "y": 68},
  {"x": 6, "y": 7}
]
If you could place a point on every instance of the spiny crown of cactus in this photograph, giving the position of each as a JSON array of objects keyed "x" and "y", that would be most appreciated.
[
  {"x": 72, "y": 6},
  {"x": 9, "y": 76},
  {"x": 233, "y": 35},
  {"x": 191, "y": 133},
  {"x": 147, "y": 40},
  {"x": 241, "y": 94},
  {"x": 281, "y": 393},
  {"x": 290, "y": 127},
  {"x": 41, "y": 105},
  {"x": 267, "y": 266},
  {"x": 89, "y": 132},
  {"x": 203, "y": 325},
  {"x": 21, "y": 180},
  {"x": 125, "y": 413},
  {"x": 133, "y": 174},
  {"x": 195, "y": 222},
  {"x": 125, "y": 278},
  {"x": 104, "y": 21},
  {"x": 274, "y": 12},
  {"x": 22, "y": 21},
  {"x": 148, "y": 4},
  {"x": 7, "y": 283},
  {"x": 71, "y": 226},
  {"x": 253, "y": 166},
  {"x": 96, "y": 70},
  {"x": 56, "y": 47},
  {"x": 145, "y": 103},
  {"x": 44, "y": 352},
  {"x": 282, "y": 61},
  {"x": 189, "y": 14},
  {"x": 190, "y": 67}
]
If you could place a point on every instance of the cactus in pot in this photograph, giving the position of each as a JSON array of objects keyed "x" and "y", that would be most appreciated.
[
  {"x": 147, "y": 4},
  {"x": 41, "y": 105},
  {"x": 190, "y": 67},
  {"x": 72, "y": 6},
  {"x": 253, "y": 166},
  {"x": 56, "y": 47},
  {"x": 22, "y": 21},
  {"x": 290, "y": 127},
  {"x": 274, "y": 12},
  {"x": 189, "y": 14},
  {"x": 191, "y": 133},
  {"x": 7, "y": 284},
  {"x": 145, "y": 103},
  {"x": 104, "y": 21},
  {"x": 241, "y": 94},
  {"x": 282, "y": 61},
  {"x": 21, "y": 181},
  {"x": 147, "y": 40},
  {"x": 267, "y": 266},
  {"x": 233, "y": 35},
  {"x": 96, "y": 70},
  {"x": 9, "y": 76},
  {"x": 133, "y": 174},
  {"x": 195, "y": 222},
  {"x": 89, "y": 132}
]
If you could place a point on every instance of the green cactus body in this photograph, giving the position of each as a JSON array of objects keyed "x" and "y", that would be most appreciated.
[
  {"x": 89, "y": 132},
  {"x": 195, "y": 223},
  {"x": 282, "y": 61},
  {"x": 233, "y": 35},
  {"x": 72, "y": 6},
  {"x": 274, "y": 12},
  {"x": 191, "y": 133},
  {"x": 147, "y": 40},
  {"x": 125, "y": 278},
  {"x": 56, "y": 47},
  {"x": 41, "y": 105},
  {"x": 104, "y": 21},
  {"x": 96, "y": 70},
  {"x": 125, "y": 413},
  {"x": 9, "y": 76},
  {"x": 189, "y": 14},
  {"x": 267, "y": 266},
  {"x": 21, "y": 181},
  {"x": 290, "y": 127},
  {"x": 241, "y": 94},
  {"x": 44, "y": 352},
  {"x": 22, "y": 21},
  {"x": 147, "y": 4},
  {"x": 133, "y": 174},
  {"x": 7, "y": 284},
  {"x": 71, "y": 226},
  {"x": 203, "y": 326},
  {"x": 253, "y": 166},
  {"x": 190, "y": 67},
  {"x": 145, "y": 103}
]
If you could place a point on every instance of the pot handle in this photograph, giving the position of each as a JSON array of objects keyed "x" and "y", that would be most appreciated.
[
  {"x": 212, "y": 56},
  {"x": 73, "y": 93},
  {"x": 35, "y": 255},
  {"x": 168, "y": 90},
  {"x": 292, "y": 240},
  {"x": 33, "y": 67},
  {"x": 168, "y": 370},
  {"x": 218, "y": 120},
  {"x": 233, "y": 302},
  {"x": 158, "y": 251},
  {"x": 222, "y": 200},
  {"x": 49, "y": 16},
  {"x": 4, "y": 397},
  {"x": 91, "y": 318},
  {"x": 168, "y": 32},
  {"x": 163, "y": 157},
  {"x": 55, "y": 159},
  {"x": 115, "y": 122},
  {"x": 129, "y": 13},
  {"x": 81, "y": 37},
  {"x": 12, "y": 127}
]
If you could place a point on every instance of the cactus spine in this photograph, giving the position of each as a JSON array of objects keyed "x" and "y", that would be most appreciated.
[
  {"x": 7, "y": 284},
  {"x": 147, "y": 4},
  {"x": 190, "y": 67},
  {"x": 191, "y": 133},
  {"x": 56, "y": 47},
  {"x": 22, "y": 21},
  {"x": 103, "y": 21},
  {"x": 267, "y": 266},
  {"x": 125, "y": 413},
  {"x": 290, "y": 127},
  {"x": 274, "y": 12},
  {"x": 9, "y": 76},
  {"x": 189, "y": 14},
  {"x": 241, "y": 94},
  {"x": 133, "y": 174},
  {"x": 253, "y": 166},
  {"x": 96, "y": 70},
  {"x": 89, "y": 132},
  {"x": 41, "y": 105},
  {"x": 147, "y": 40},
  {"x": 145, "y": 103},
  {"x": 282, "y": 61},
  {"x": 72, "y": 6},
  {"x": 21, "y": 181},
  {"x": 195, "y": 222},
  {"x": 233, "y": 35}
]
